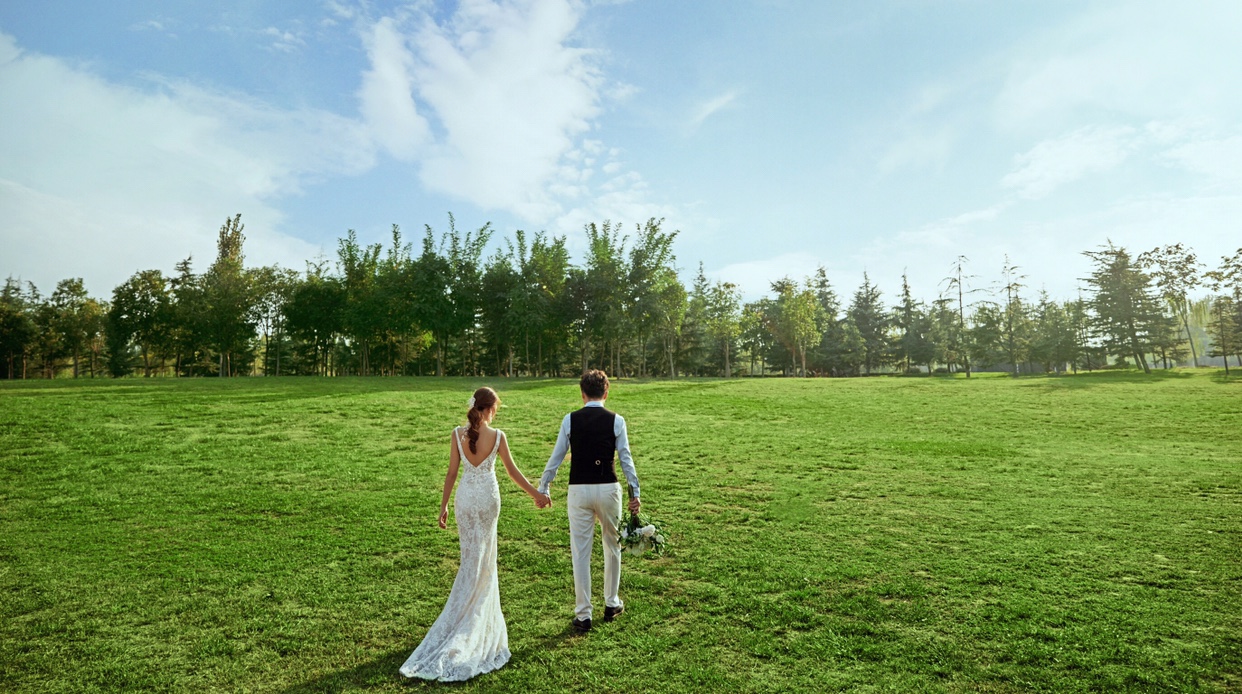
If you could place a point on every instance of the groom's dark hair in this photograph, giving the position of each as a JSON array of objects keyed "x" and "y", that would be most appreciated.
[{"x": 594, "y": 384}]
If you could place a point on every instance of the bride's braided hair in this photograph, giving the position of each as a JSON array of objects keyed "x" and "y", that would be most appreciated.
[{"x": 484, "y": 399}]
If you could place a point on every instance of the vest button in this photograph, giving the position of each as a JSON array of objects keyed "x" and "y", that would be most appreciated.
[{"x": 597, "y": 462}]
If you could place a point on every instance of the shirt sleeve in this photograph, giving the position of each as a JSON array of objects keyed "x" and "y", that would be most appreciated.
[
  {"x": 558, "y": 457},
  {"x": 623, "y": 452}
]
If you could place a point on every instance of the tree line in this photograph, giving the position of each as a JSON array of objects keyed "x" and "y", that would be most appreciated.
[{"x": 442, "y": 308}]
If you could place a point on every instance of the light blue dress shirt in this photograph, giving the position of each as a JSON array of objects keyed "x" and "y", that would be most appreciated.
[{"x": 562, "y": 448}]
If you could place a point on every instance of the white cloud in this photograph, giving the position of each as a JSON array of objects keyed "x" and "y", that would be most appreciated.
[
  {"x": 149, "y": 25},
  {"x": 99, "y": 180},
  {"x": 1142, "y": 59},
  {"x": 511, "y": 95},
  {"x": 495, "y": 105},
  {"x": 386, "y": 98},
  {"x": 284, "y": 41},
  {"x": 1219, "y": 159},
  {"x": 1057, "y": 161},
  {"x": 708, "y": 108}
]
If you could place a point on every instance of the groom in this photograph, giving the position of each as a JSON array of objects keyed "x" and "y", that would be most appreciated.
[{"x": 592, "y": 435}]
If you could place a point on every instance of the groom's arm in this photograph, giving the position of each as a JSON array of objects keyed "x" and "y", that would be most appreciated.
[
  {"x": 623, "y": 452},
  {"x": 558, "y": 457}
]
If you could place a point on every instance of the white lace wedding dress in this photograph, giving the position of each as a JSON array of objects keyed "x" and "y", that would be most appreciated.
[{"x": 469, "y": 637}]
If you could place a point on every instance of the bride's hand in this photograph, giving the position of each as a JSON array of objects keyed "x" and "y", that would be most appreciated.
[{"x": 443, "y": 518}]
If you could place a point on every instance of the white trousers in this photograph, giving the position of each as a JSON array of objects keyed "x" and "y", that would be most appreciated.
[{"x": 586, "y": 504}]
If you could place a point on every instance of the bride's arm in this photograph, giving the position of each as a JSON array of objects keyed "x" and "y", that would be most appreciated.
[
  {"x": 518, "y": 478},
  {"x": 450, "y": 478}
]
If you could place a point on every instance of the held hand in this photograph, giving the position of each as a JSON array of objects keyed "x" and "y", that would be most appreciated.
[
  {"x": 443, "y": 518},
  {"x": 542, "y": 500},
  {"x": 635, "y": 504}
]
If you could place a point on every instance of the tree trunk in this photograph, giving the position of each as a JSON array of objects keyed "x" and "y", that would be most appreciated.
[
  {"x": 146, "y": 363},
  {"x": 1190, "y": 339}
]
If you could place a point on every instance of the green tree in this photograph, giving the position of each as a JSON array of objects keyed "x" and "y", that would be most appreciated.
[
  {"x": 695, "y": 340},
  {"x": 828, "y": 356},
  {"x": 228, "y": 299},
  {"x": 852, "y": 350},
  {"x": 362, "y": 317},
  {"x": 428, "y": 283},
  {"x": 913, "y": 344},
  {"x": 1177, "y": 273},
  {"x": 464, "y": 254},
  {"x": 70, "y": 304},
  {"x": 545, "y": 273},
  {"x": 1223, "y": 329},
  {"x": 871, "y": 319},
  {"x": 138, "y": 313},
  {"x": 670, "y": 307},
  {"x": 956, "y": 283},
  {"x": 273, "y": 287},
  {"x": 654, "y": 304},
  {"x": 946, "y": 336},
  {"x": 756, "y": 338},
  {"x": 1225, "y": 322},
  {"x": 186, "y": 322},
  {"x": 314, "y": 313},
  {"x": 1127, "y": 313},
  {"x": 724, "y": 320},
  {"x": 1054, "y": 342},
  {"x": 17, "y": 329},
  {"x": 986, "y": 336},
  {"x": 504, "y": 309},
  {"x": 1015, "y": 324}
]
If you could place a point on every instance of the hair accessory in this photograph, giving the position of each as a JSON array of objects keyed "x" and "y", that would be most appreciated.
[{"x": 470, "y": 404}]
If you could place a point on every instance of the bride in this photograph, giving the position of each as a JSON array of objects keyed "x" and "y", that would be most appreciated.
[{"x": 469, "y": 637}]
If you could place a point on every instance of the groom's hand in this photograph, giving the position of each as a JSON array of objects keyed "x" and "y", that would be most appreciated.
[
  {"x": 635, "y": 504},
  {"x": 542, "y": 500}
]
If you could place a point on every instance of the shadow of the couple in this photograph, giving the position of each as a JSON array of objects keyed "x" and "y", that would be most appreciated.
[{"x": 383, "y": 670}]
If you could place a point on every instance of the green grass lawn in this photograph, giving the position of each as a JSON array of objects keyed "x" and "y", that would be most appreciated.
[{"x": 888, "y": 534}]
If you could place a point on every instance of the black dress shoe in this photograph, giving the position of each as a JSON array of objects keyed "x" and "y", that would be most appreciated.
[
  {"x": 610, "y": 613},
  {"x": 581, "y": 625}
]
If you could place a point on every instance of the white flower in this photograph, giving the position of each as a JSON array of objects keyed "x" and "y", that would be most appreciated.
[
  {"x": 659, "y": 539},
  {"x": 647, "y": 530},
  {"x": 470, "y": 403}
]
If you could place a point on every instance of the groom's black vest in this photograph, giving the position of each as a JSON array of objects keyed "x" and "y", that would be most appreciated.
[{"x": 592, "y": 445}]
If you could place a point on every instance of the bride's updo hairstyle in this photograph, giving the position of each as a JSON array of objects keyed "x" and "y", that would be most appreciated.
[{"x": 484, "y": 399}]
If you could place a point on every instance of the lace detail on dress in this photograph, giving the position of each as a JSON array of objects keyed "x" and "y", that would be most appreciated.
[{"x": 469, "y": 637}]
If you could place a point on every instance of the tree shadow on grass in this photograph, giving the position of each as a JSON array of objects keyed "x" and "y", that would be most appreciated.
[
  {"x": 385, "y": 670},
  {"x": 1093, "y": 379}
]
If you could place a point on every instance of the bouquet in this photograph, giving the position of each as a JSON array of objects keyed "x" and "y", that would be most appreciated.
[{"x": 640, "y": 534}]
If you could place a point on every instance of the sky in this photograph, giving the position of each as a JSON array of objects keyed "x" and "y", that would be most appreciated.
[{"x": 776, "y": 136}]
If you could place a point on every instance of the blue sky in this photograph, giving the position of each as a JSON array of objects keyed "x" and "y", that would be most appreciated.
[{"x": 775, "y": 135}]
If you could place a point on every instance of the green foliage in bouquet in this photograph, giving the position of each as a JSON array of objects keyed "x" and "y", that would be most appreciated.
[{"x": 640, "y": 535}]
